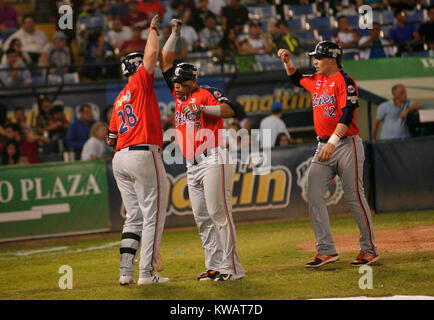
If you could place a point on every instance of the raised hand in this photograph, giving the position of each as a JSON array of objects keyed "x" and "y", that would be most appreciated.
[{"x": 176, "y": 26}]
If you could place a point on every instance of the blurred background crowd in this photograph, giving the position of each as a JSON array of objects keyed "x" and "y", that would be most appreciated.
[{"x": 222, "y": 36}]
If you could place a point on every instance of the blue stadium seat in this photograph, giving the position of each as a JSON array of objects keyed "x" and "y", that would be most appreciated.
[
  {"x": 363, "y": 32},
  {"x": 387, "y": 18},
  {"x": 320, "y": 23},
  {"x": 261, "y": 12},
  {"x": 327, "y": 34},
  {"x": 296, "y": 24},
  {"x": 353, "y": 21},
  {"x": 307, "y": 35},
  {"x": 91, "y": 22},
  {"x": 298, "y": 10},
  {"x": 415, "y": 16}
]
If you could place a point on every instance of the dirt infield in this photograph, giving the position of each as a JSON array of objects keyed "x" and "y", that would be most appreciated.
[{"x": 392, "y": 240}]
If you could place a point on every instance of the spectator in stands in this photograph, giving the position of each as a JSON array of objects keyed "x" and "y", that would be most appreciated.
[
  {"x": 107, "y": 114},
  {"x": 347, "y": 38},
  {"x": 404, "y": 34},
  {"x": 426, "y": 30},
  {"x": 373, "y": 46},
  {"x": 10, "y": 153},
  {"x": 403, "y": 4},
  {"x": 229, "y": 45},
  {"x": 99, "y": 51},
  {"x": 258, "y": 40},
  {"x": 95, "y": 148},
  {"x": 118, "y": 34},
  {"x": 135, "y": 44},
  {"x": 134, "y": 17},
  {"x": 276, "y": 125},
  {"x": 177, "y": 10},
  {"x": 32, "y": 39},
  {"x": 191, "y": 36},
  {"x": 282, "y": 140},
  {"x": 10, "y": 20},
  {"x": 23, "y": 160},
  {"x": 23, "y": 56},
  {"x": 3, "y": 118},
  {"x": 90, "y": 8},
  {"x": 58, "y": 124},
  {"x": 374, "y": 4},
  {"x": 393, "y": 115},
  {"x": 57, "y": 55},
  {"x": 198, "y": 16},
  {"x": 151, "y": 7},
  {"x": 44, "y": 113},
  {"x": 216, "y": 7},
  {"x": 341, "y": 7},
  {"x": 210, "y": 37},
  {"x": 283, "y": 39},
  {"x": 26, "y": 145},
  {"x": 118, "y": 9},
  {"x": 78, "y": 131},
  {"x": 20, "y": 120},
  {"x": 234, "y": 16},
  {"x": 181, "y": 48},
  {"x": 13, "y": 71}
]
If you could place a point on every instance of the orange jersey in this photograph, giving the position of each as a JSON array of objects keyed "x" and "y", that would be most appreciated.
[
  {"x": 198, "y": 133},
  {"x": 136, "y": 114},
  {"x": 334, "y": 100}
]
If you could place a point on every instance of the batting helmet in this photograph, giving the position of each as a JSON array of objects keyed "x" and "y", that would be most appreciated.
[
  {"x": 184, "y": 72},
  {"x": 328, "y": 49},
  {"x": 131, "y": 63}
]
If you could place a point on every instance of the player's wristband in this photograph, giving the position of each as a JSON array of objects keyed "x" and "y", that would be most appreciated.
[
  {"x": 213, "y": 110},
  {"x": 112, "y": 135},
  {"x": 334, "y": 139}
]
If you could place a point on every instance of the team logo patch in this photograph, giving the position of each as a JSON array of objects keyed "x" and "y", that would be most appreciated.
[
  {"x": 351, "y": 89},
  {"x": 334, "y": 192}
]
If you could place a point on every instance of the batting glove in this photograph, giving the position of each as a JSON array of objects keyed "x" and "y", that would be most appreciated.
[
  {"x": 155, "y": 24},
  {"x": 192, "y": 109},
  {"x": 176, "y": 26}
]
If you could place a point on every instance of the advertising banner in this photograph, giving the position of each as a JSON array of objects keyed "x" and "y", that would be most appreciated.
[
  {"x": 279, "y": 194},
  {"x": 53, "y": 199}
]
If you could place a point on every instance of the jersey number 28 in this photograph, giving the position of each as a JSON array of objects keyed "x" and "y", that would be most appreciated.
[{"x": 129, "y": 119}]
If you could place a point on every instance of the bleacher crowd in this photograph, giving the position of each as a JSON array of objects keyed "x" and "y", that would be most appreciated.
[{"x": 217, "y": 35}]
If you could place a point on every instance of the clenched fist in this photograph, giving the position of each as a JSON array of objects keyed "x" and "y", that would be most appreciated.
[
  {"x": 176, "y": 26},
  {"x": 155, "y": 23},
  {"x": 284, "y": 54}
]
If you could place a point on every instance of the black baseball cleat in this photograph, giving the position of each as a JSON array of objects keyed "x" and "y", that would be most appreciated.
[
  {"x": 321, "y": 259},
  {"x": 208, "y": 275}
]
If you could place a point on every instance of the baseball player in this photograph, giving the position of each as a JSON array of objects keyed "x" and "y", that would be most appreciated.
[
  {"x": 199, "y": 112},
  {"x": 135, "y": 130},
  {"x": 340, "y": 150}
]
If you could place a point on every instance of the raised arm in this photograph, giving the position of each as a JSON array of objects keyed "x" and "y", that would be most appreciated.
[
  {"x": 152, "y": 47},
  {"x": 168, "y": 52}
]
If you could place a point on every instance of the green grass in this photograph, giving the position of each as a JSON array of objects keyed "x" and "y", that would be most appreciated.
[{"x": 273, "y": 263}]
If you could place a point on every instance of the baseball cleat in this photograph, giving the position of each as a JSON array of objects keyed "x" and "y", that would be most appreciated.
[
  {"x": 208, "y": 275},
  {"x": 126, "y": 280},
  {"x": 321, "y": 259},
  {"x": 227, "y": 277},
  {"x": 150, "y": 280},
  {"x": 364, "y": 258}
]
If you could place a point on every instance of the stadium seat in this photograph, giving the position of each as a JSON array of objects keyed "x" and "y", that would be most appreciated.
[
  {"x": 296, "y": 24},
  {"x": 319, "y": 23},
  {"x": 311, "y": 35},
  {"x": 96, "y": 22},
  {"x": 353, "y": 21},
  {"x": 291, "y": 11},
  {"x": 387, "y": 18},
  {"x": 363, "y": 32},
  {"x": 415, "y": 16},
  {"x": 261, "y": 12},
  {"x": 326, "y": 34}
]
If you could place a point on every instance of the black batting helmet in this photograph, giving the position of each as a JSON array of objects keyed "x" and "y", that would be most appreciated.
[
  {"x": 131, "y": 63},
  {"x": 184, "y": 72},
  {"x": 328, "y": 49}
]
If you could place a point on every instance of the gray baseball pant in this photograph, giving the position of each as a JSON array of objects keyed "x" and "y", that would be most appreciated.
[
  {"x": 210, "y": 191},
  {"x": 142, "y": 182},
  {"x": 347, "y": 162}
]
